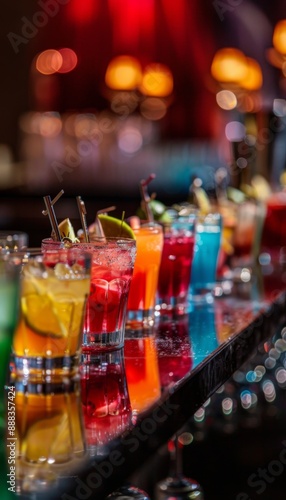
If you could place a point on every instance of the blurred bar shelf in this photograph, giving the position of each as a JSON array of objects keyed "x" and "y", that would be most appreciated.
[{"x": 223, "y": 335}]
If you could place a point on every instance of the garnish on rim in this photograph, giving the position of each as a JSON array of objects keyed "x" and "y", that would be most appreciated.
[{"x": 117, "y": 228}]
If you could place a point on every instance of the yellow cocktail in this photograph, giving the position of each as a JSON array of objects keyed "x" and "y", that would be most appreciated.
[
  {"x": 53, "y": 297},
  {"x": 49, "y": 431}
]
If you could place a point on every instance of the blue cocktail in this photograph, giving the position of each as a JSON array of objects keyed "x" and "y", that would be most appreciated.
[{"x": 206, "y": 251}]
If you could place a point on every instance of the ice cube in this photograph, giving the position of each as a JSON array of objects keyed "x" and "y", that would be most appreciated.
[
  {"x": 77, "y": 269},
  {"x": 36, "y": 269},
  {"x": 62, "y": 270}
]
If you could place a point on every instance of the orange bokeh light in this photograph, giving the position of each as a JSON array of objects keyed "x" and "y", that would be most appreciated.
[
  {"x": 157, "y": 81},
  {"x": 53, "y": 61},
  {"x": 49, "y": 62},
  {"x": 229, "y": 66},
  {"x": 153, "y": 108},
  {"x": 279, "y": 37},
  {"x": 254, "y": 78},
  {"x": 123, "y": 73}
]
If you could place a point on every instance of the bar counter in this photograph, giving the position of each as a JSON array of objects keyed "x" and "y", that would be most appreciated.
[{"x": 194, "y": 354}]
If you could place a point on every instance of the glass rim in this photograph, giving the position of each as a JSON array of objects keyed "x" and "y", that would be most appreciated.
[
  {"x": 94, "y": 240},
  {"x": 209, "y": 218},
  {"x": 52, "y": 257},
  {"x": 154, "y": 227}
]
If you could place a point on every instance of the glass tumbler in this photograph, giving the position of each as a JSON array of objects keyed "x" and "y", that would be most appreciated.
[
  {"x": 206, "y": 252},
  {"x": 13, "y": 240},
  {"x": 50, "y": 434},
  {"x": 142, "y": 369},
  {"x": 54, "y": 290},
  {"x": 175, "y": 268},
  {"x": 142, "y": 296},
  {"x": 10, "y": 268},
  {"x": 112, "y": 268},
  {"x": 105, "y": 398}
]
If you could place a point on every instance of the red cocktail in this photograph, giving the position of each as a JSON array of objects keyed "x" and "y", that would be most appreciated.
[
  {"x": 174, "y": 350},
  {"x": 175, "y": 268},
  {"x": 105, "y": 398},
  {"x": 111, "y": 273},
  {"x": 274, "y": 229}
]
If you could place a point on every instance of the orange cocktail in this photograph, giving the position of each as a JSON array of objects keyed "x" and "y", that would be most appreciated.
[
  {"x": 142, "y": 294},
  {"x": 142, "y": 371}
]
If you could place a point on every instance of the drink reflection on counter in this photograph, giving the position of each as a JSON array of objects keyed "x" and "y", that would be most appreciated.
[
  {"x": 50, "y": 435},
  {"x": 142, "y": 371},
  {"x": 203, "y": 331},
  {"x": 174, "y": 349},
  {"x": 105, "y": 398}
]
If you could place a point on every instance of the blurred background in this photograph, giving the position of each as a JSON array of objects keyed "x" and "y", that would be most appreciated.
[{"x": 95, "y": 95}]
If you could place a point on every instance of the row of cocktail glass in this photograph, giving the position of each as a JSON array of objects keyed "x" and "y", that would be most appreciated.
[{"x": 82, "y": 299}]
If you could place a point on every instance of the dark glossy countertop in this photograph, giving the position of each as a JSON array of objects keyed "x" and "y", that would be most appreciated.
[{"x": 186, "y": 358}]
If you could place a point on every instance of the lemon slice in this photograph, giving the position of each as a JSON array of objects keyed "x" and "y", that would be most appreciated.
[
  {"x": 49, "y": 439},
  {"x": 227, "y": 246},
  {"x": 67, "y": 231},
  {"x": 262, "y": 189},
  {"x": 44, "y": 316},
  {"x": 115, "y": 227},
  {"x": 202, "y": 200}
]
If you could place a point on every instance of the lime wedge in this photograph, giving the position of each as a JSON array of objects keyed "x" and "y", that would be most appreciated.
[
  {"x": 115, "y": 227},
  {"x": 238, "y": 195}
]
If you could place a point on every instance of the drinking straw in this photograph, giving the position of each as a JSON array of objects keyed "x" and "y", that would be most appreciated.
[
  {"x": 122, "y": 220},
  {"x": 56, "y": 198},
  {"x": 98, "y": 226},
  {"x": 146, "y": 198},
  {"x": 51, "y": 213},
  {"x": 220, "y": 178},
  {"x": 82, "y": 214}
]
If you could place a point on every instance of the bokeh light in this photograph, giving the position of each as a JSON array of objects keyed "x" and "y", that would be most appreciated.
[
  {"x": 157, "y": 81},
  {"x": 69, "y": 60},
  {"x": 130, "y": 140},
  {"x": 253, "y": 79},
  {"x": 49, "y": 62},
  {"x": 279, "y": 37},
  {"x": 235, "y": 131},
  {"x": 50, "y": 124},
  {"x": 226, "y": 99},
  {"x": 123, "y": 73},
  {"x": 153, "y": 108},
  {"x": 229, "y": 65}
]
